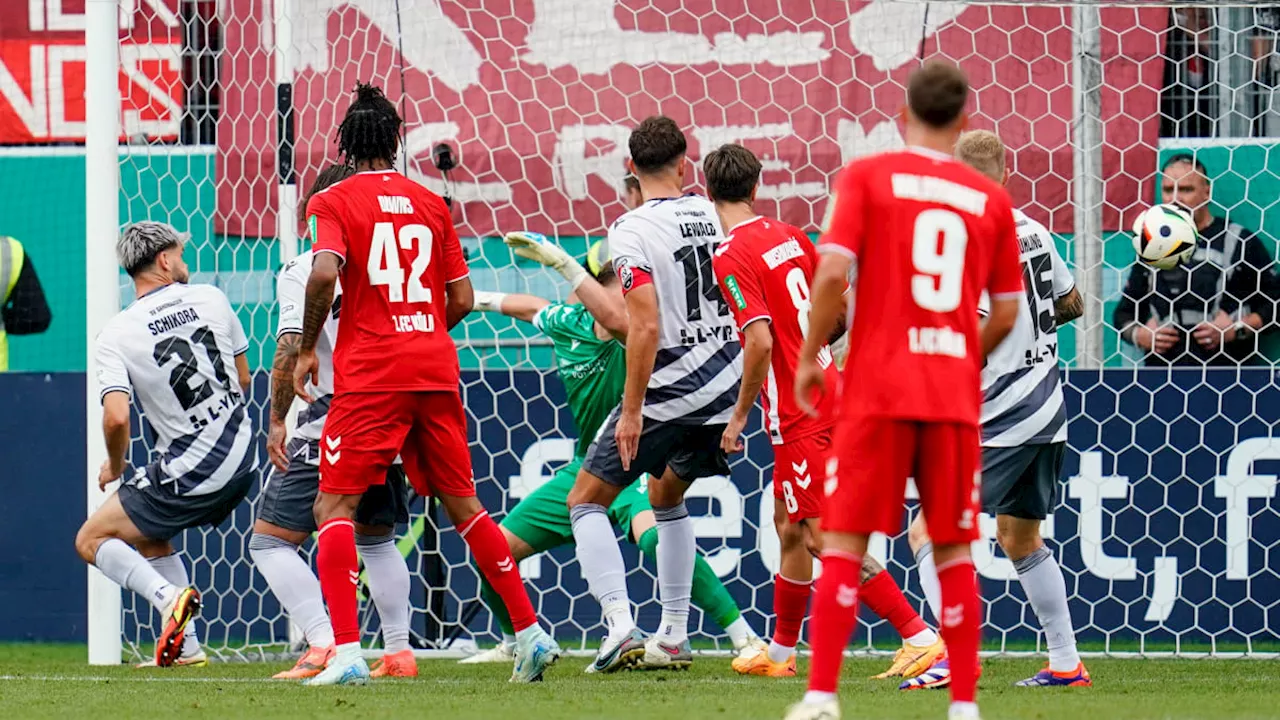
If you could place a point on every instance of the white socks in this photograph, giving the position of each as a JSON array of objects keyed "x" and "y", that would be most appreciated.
[
  {"x": 172, "y": 568},
  {"x": 1041, "y": 579},
  {"x": 294, "y": 585},
  {"x": 924, "y": 638},
  {"x": 677, "y": 550},
  {"x": 389, "y": 587},
  {"x": 601, "y": 562},
  {"x": 929, "y": 580},
  {"x": 739, "y": 633},
  {"x": 126, "y": 568}
]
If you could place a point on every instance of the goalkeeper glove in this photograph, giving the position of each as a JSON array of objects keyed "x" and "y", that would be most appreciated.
[{"x": 536, "y": 247}]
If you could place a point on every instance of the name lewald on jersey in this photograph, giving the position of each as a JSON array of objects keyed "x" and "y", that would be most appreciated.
[{"x": 395, "y": 204}]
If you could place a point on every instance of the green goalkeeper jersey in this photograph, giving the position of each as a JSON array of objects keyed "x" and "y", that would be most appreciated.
[{"x": 593, "y": 371}]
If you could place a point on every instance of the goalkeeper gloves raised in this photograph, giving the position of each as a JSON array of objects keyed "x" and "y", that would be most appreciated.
[{"x": 536, "y": 247}]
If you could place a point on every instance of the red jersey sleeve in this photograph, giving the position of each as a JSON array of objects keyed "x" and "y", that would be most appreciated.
[
  {"x": 740, "y": 286},
  {"x": 842, "y": 230},
  {"x": 1005, "y": 279},
  {"x": 325, "y": 226},
  {"x": 455, "y": 263}
]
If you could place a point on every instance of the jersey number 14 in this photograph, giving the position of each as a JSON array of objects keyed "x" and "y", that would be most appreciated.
[{"x": 384, "y": 261}]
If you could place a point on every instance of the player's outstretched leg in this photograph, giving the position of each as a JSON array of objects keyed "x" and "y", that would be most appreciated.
[
  {"x": 171, "y": 568},
  {"x": 389, "y": 587},
  {"x": 677, "y": 551},
  {"x": 708, "y": 593},
  {"x": 922, "y": 648},
  {"x": 274, "y": 551},
  {"x": 1046, "y": 590},
  {"x": 107, "y": 541},
  {"x": 600, "y": 557},
  {"x": 535, "y": 649},
  {"x": 791, "y": 589},
  {"x": 338, "y": 568}
]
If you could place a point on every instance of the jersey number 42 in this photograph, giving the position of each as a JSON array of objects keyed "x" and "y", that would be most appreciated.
[{"x": 384, "y": 261}]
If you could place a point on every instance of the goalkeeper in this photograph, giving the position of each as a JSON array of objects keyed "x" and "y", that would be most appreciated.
[{"x": 591, "y": 361}]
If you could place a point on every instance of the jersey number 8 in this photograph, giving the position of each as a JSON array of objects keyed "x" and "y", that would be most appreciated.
[
  {"x": 384, "y": 261},
  {"x": 798, "y": 289}
]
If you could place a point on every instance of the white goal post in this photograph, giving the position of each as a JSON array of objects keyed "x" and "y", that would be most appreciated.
[{"x": 1168, "y": 516}]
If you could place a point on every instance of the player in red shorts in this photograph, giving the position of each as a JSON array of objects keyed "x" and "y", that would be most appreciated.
[
  {"x": 404, "y": 285},
  {"x": 764, "y": 268},
  {"x": 929, "y": 235}
]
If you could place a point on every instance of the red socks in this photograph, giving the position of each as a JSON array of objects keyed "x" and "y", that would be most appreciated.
[
  {"x": 885, "y": 599},
  {"x": 835, "y": 615},
  {"x": 790, "y": 603},
  {"x": 338, "y": 570},
  {"x": 494, "y": 559},
  {"x": 961, "y": 626}
]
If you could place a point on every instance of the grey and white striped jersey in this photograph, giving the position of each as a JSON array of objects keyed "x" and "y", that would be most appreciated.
[
  {"x": 699, "y": 362},
  {"x": 291, "y": 295},
  {"x": 1022, "y": 402},
  {"x": 174, "y": 350}
]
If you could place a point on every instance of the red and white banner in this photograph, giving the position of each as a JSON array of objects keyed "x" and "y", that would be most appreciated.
[
  {"x": 42, "y": 69},
  {"x": 539, "y": 96}
]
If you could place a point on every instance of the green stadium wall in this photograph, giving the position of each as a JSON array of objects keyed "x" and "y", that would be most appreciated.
[{"x": 41, "y": 204}]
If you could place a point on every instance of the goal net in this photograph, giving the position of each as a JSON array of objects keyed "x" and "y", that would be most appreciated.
[{"x": 1167, "y": 526}]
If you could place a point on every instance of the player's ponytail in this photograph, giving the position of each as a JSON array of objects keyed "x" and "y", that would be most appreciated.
[{"x": 371, "y": 128}]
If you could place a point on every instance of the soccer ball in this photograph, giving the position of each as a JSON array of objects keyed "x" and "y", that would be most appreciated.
[{"x": 1165, "y": 236}]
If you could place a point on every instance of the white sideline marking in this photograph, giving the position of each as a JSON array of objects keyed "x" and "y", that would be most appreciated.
[{"x": 282, "y": 683}]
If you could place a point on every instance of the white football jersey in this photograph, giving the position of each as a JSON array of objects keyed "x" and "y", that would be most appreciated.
[
  {"x": 291, "y": 295},
  {"x": 1022, "y": 402},
  {"x": 174, "y": 350},
  {"x": 699, "y": 362}
]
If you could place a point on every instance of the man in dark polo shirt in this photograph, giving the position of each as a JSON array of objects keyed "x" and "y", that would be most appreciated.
[{"x": 1211, "y": 310}]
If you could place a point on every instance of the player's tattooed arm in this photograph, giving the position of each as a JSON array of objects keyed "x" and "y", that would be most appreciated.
[
  {"x": 319, "y": 301},
  {"x": 320, "y": 285},
  {"x": 1069, "y": 306},
  {"x": 282, "y": 374},
  {"x": 870, "y": 568}
]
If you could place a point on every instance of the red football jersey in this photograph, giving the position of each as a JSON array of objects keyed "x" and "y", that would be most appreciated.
[
  {"x": 399, "y": 250},
  {"x": 764, "y": 268},
  {"x": 929, "y": 234}
]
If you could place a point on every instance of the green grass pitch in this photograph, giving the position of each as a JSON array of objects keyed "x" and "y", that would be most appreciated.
[{"x": 42, "y": 681}]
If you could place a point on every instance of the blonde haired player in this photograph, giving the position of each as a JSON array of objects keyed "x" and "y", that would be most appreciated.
[{"x": 1024, "y": 433}]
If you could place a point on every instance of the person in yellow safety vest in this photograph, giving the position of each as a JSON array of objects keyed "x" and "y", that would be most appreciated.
[{"x": 23, "y": 308}]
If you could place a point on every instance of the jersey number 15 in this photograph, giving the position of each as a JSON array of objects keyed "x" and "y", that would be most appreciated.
[{"x": 384, "y": 261}]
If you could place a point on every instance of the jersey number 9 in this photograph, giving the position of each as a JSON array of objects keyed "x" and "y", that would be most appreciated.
[
  {"x": 937, "y": 252},
  {"x": 384, "y": 261}
]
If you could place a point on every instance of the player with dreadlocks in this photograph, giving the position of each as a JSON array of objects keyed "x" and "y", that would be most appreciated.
[{"x": 395, "y": 375}]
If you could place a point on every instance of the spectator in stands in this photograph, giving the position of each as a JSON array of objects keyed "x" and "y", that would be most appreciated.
[
  {"x": 23, "y": 308},
  {"x": 1211, "y": 310}
]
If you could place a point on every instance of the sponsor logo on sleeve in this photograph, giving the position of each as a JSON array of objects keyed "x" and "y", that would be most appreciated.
[
  {"x": 625, "y": 276},
  {"x": 732, "y": 283},
  {"x": 311, "y": 227}
]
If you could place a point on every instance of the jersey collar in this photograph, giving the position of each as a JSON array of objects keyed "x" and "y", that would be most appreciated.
[
  {"x": 930, "y": 153},
  {"x": 744, "y": 223}
]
